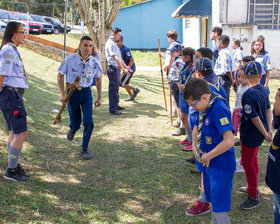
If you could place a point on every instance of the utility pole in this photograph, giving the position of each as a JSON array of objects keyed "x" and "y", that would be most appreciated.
[{"x": 65, "y": 26}]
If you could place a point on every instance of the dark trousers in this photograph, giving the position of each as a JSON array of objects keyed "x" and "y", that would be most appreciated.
[
  {"x": 80, "y": 107},
  {"x": 114, "y": 85},
  {"x": 226, "y": 83}
]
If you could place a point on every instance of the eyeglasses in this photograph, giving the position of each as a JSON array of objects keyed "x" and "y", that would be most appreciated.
[{"x": 195, "y": 103}]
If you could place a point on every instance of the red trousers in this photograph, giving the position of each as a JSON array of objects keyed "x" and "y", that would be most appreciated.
[{"x": 249, "y": 159}]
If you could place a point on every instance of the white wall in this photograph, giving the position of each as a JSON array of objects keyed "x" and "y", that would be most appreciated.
[
  {"x": 191, "y": 35},
  {"x": 215, "y": 13},
  {"x": 237, "y": 11}
]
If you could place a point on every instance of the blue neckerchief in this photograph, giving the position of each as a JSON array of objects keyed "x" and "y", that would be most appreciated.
[
  {"x": 185, "y": 75},
  {"x": 212, "y": 102},
  {"x": 11, "y": 43},
  {"x": 212, "y": 80},
  {"x": 84, "y": 65}
]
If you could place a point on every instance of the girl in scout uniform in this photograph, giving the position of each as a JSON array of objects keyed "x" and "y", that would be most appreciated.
[
  {"x": 12, "y": 85},
  {"x": 262, "y": 56}
]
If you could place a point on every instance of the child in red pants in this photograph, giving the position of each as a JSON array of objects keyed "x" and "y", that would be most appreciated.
[{"x": 255, "y": 127}]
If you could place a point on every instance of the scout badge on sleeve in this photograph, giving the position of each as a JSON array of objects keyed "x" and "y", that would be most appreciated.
[{"x": 72, "y": 88}]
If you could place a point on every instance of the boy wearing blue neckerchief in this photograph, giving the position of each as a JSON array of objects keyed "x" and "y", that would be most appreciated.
[{"x": 214, "y": 146}]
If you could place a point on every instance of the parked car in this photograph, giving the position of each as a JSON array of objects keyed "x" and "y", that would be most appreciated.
[
  {"x": 3, "y": 25},
  {"x": 58, "y": 26},
  {"x": 34, "y": 27},
  {"x": 46, "y": 27},
  {"x": 6, "y": 17}
]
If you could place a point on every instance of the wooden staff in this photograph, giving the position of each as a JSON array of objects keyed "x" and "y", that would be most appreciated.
[
  {"x": 162, "y": 82},
  {"x": 72, "y": 88}
]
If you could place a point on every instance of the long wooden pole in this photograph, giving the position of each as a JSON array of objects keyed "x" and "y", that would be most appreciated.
[{"x": 162, "y": 81}]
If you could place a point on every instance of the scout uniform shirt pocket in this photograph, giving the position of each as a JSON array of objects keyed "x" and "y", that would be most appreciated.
[{"x": 18, "y": 67}]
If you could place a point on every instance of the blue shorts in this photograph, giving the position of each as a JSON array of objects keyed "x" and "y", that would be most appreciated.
[
  {"x": 175, "y": 91},
  {"x": 199, "y": 166},
  {"x": 184, "y": 106},
  {"x": 12, "y": 106},
  {"x": 218, "y": 187},
  {"x": 193, "y": 118}
]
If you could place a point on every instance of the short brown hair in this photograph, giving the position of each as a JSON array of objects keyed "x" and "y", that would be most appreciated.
[{"x": 173, "y": 34}]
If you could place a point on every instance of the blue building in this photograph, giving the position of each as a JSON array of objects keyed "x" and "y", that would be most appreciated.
[{"x": 142, "y": 24}]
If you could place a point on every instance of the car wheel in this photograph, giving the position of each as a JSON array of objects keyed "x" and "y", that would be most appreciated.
[{"x": 56, "y": 31}]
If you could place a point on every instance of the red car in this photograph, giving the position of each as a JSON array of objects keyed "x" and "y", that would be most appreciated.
[{"x": 34, "y": 27}]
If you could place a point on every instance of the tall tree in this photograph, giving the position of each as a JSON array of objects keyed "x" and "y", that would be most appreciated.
[{"x": 98, "y": 16}]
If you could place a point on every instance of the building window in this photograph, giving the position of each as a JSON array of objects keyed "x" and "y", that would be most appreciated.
[
  {"x": 264, "y": 13},
  {"x": 187, "y": 23}
]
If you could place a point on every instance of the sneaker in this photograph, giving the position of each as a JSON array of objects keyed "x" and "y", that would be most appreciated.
[
  {"x": 188, "y": 147},
  {"x": 86, "y": 155},
  {"x": 116, "y": 112},
  {"x": 199, "y": 209},
  {"x": 13, "y": 174},
  {"x": 244, "y": 190},
  {"x": 120, "y": 108},
  {"x": 135, "y": 92},
  {"x": 70, "y": 134},
  {"x": 179, "y": 131},
  {"x": 250, "y": 203},
  {"x": 129, "y": 99},
  {"x": 21, "y": 171},
  {"x": 176, "y": 124},
  {"x": 190, "y": 159},
  {"x": 184, "y": 142}
]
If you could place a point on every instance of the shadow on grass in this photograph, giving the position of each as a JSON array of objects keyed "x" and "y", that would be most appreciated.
[{"x": 137, "y": 175}]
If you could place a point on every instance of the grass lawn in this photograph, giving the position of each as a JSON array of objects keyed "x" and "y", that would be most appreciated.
[
  {"x": 144, "y": 58},
  {"x": 138, "y": 173}
]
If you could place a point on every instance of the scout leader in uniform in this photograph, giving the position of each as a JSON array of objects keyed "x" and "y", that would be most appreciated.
[
  {"x": 12, "y": 85},
  {"x": 88, "y": 68}
]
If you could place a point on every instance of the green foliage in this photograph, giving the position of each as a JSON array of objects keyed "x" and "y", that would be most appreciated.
[{"x": 130, "y": 2}]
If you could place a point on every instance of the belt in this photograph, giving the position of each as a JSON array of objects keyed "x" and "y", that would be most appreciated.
[
  {"x": 19, "y": 90},
  {"x": 81, "y": 88},
  {"x": 113, "y": 66}
]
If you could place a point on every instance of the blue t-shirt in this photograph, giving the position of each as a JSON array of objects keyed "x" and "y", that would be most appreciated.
[
  {"x": 217, "y": 121},
  {"x": 215, "y": 53},
  {"x": 126, "y": 56},
  {"x": 255, "y": 103},
  {"x": 272, "y": 178}
]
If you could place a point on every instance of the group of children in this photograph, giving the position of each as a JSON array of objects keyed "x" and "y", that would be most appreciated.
[{"x": 200, "y": 83}]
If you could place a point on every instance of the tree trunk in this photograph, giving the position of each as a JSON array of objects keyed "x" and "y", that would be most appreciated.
[{"x": 104, "y": 14}]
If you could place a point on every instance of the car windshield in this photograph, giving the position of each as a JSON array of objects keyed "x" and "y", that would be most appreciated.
[
  {"x": 22, "y": 16},
  {"x": 38, "y": 18},
  {"x": 6, "y": 15},
  {"x": 56, "y": 21}
]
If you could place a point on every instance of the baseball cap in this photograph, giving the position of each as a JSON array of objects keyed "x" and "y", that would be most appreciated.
[
  {"x": 252, "y": 68},
  {"x": 204, "y": 64},
  {"x": 175, "y": 46}
]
